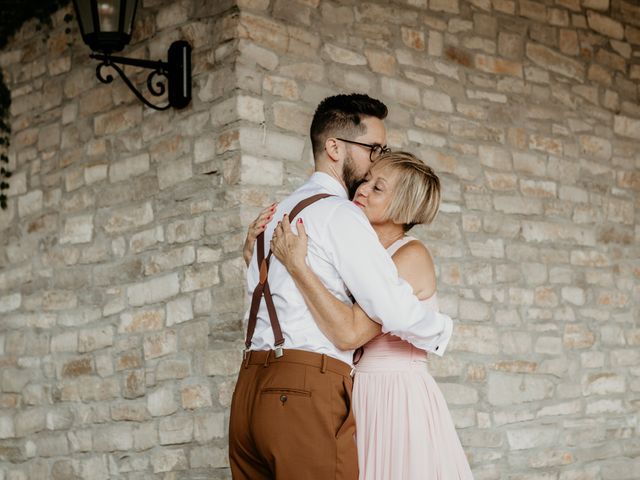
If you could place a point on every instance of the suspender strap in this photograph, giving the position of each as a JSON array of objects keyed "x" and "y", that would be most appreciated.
[{"x": 262, "y": 288}]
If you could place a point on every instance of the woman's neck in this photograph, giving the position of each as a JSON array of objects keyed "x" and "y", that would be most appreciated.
[{"x": 388, "y": 233}]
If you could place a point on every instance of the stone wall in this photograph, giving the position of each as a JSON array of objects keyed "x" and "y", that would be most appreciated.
[{"x": 121, "y": 282}]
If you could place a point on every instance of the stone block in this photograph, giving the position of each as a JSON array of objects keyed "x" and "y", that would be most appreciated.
[
  {"x": 129, "y": 167},
  {"x": 161, "y": 402},
  {"x": 413, "y": 38},
  {"x": 475, "y": 339},
  {"x": 533, "y": 10},
  {"x": 257, "y": 54},
  {"x": 532, "y": 437},
  {"x": 179, "y": 310},
  {"x": 171, "y": 260},
  {"x": 507, "y": 389},
  {"x": 29, "y": 421},
  {"x": 263, "y": 31},
  {"x": 52, "y": 445},
  {"x": 199, "y": 277},
  {"x": 145, "y": 436},
  {"x": 119, "y": 120},
  {"x": 173, "y": 172},
  {"x": 401, "y": 91},
  {"x": 517, "y": 205},
  {"x": 222, "y": 362},
  {"x": 30, "y": 203},
  {"x": 167, "y": 460},
  {"x": 551, "y": 60},
  {"x": 185, "y": 230},
  {"x": 7, "y": 427},
  {"x": 172, "y": 368},
  {"x": 438, "y": 101},
  {"x": 95, "y": 339},
  {"x": 10, "y": 302},
  {"x": 448, "y": 6},
  {"x": 127, "y": 218},
  {"x": 160, "y": 344},
  {"x": 141, "y": 321},
  {"x": 498, "y": 66},
  {"x": 538, "y": 188},
  {"x": 626, "y": 126},
  {"x": 113, "y": 438},
  {"x": 195, "y": 396},
  {"x": 174, "y": 430},
  {"x": 250, "y": 108},
  {"x": 78, "y": 229},
  {"x": 292, "y": 116},
  {"x": 133, "y": 384},
  {"x": 154, "y": 290},
  {"x": 603, "y": 383},
  {"x": 95, "y": 173},
  {"x": 605, "y": 25},
  {"x": 130, "y": 412}
]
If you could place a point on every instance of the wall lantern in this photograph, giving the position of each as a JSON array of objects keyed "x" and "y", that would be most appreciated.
[{"x": 106, "y": 26}]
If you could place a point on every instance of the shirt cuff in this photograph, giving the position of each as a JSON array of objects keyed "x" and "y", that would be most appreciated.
[{"x": 440, "y": 343}]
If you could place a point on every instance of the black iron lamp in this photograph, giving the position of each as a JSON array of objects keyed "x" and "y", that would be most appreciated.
[{"x": 106, "y": 26}]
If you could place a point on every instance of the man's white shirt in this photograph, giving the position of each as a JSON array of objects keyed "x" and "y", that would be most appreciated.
[{"x": 345, "y": 253}]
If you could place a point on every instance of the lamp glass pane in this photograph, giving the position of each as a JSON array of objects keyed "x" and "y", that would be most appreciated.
[
  {"x": 85, "y": 17},
  {"x": 129, "y": 13},
  {"x": 109, "y": 15}
]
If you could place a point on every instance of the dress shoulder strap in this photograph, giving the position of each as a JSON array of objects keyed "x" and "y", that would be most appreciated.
[{"x": 401, "y": 242}]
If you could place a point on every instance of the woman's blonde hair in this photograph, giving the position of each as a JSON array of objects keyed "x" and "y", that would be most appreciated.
[{"x": 416, "y": 197}]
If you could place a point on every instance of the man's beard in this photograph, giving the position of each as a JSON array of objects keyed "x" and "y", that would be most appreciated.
[{"x": 351, "y": 179}]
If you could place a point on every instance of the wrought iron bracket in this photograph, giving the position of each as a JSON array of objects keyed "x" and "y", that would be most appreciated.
[{"x": 176, "y": 72}]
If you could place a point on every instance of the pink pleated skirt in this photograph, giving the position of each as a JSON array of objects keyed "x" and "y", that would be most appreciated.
[{"x": 404, "y": 428}]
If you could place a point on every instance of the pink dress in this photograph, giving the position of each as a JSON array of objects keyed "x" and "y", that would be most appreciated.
[{"x": 404, "y": 428}]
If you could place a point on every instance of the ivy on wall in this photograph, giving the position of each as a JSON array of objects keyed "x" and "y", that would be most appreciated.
[{"x": 14, "y": 14}]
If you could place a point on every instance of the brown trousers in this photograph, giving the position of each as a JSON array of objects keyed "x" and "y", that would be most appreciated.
[{"x": 291, "y": 418}]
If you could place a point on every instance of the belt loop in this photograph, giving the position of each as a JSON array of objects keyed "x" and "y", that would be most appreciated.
[
  {"x": 266, "y": 358},
  {"x": 323, "y": 367},
  {"x": 247, "y": 357}
]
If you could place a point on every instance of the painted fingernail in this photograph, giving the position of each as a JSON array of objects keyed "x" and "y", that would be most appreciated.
[{"x": 299, "y": 220}]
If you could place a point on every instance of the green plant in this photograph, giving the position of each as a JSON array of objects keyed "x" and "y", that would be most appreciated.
[{"x": 15, "y": 13}]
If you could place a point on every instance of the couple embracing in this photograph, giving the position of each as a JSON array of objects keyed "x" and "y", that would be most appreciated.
[{"x": 349, "y": 280}]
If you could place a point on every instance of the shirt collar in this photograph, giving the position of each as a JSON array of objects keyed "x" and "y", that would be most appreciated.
[{"x": 327, "y": 182}]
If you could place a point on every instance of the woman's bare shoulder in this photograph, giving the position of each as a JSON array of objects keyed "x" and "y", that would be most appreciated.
[{"x": 415, "y": 265}]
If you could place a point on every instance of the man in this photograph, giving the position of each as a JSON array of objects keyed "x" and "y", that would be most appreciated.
[{"x": 290, "y": 415}]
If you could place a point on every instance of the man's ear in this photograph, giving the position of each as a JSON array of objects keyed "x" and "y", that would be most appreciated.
[{"x": 332, "y": 147}]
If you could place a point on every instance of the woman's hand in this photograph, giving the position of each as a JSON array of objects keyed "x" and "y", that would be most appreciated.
[
  {"x": 255, "y": 229},
  {"x": 289, "y": 248}
]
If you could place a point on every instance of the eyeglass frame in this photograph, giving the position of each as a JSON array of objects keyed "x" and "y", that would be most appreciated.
[{"x": 371, "y": 146}]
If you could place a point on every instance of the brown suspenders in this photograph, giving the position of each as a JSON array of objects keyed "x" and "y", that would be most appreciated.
[{"x": 262, "y": 288}]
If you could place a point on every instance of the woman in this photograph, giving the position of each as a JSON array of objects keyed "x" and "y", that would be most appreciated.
[{"x": 404, "y": 428}]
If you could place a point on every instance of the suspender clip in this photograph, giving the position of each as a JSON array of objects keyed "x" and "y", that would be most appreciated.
[{"x": 279, "y": 351}]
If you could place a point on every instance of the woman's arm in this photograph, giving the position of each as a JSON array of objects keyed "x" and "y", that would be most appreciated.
[
  {"x": 346, "y": 327},
  {"x": 255, "y": 228}
]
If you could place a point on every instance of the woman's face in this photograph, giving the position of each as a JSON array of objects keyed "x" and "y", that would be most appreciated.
[{"x": 375, "y": 193}]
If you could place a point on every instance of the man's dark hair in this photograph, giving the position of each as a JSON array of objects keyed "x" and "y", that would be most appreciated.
[{"x": 341, "y": 116}]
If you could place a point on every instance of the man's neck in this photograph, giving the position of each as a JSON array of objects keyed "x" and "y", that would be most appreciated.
[{"x": 333, "y": 173}]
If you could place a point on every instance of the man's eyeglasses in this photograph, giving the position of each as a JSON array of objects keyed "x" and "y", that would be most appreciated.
[{"x": 375, "y": 150}]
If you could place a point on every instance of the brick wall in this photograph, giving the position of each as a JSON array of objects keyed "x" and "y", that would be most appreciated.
[{"x": 121, "y": 282}]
